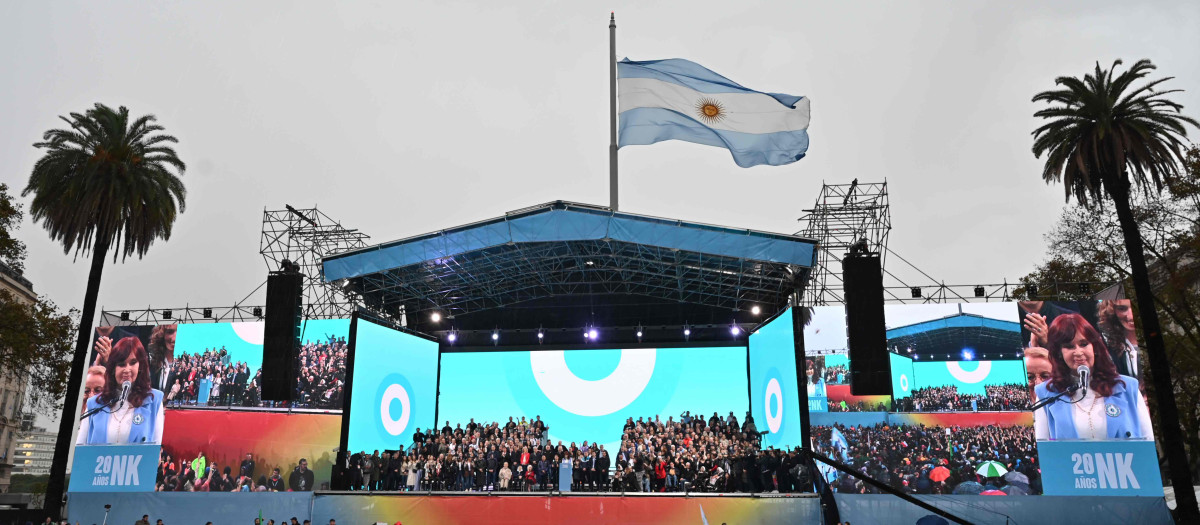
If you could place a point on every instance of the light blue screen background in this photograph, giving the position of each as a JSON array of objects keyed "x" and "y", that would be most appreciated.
[
  {"x": 773, "y": 356},
  {"x": 385, "y": 357},
  {"x": 902, "y": 376},
  {"x": 243, "y": 341},
  {"x": 971, "y": 377},
  {"x": 492, "y": 386}
]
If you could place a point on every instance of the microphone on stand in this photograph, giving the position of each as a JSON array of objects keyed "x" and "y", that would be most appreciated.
[
  {"x": 1084, "y": 378},
  {"x": 124, "y": 395}
]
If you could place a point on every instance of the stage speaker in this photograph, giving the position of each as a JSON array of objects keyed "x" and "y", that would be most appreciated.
[
  {"x": 870, "y": 368},
  {"x": 281, "y": 335}
]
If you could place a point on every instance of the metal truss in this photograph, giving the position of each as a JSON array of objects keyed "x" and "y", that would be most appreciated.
[
  {"x": 844, "y": 215},
  {"x": 305, "y": 236},
  {"x": 518, "y": 272},
  {"x": 187, "y": 314},
  {"x": 977, "y": 293}
]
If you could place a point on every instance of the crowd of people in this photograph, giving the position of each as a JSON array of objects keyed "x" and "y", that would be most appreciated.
[
  {"x": 857, "y": 406},
  {"x": 213, "y": 378},
  {"x": 481, "y": 456},
  {"x": 200, "y": 474},
  {"x": 908, "y": 457},
  {"x": 699, "y": 454},
  {"x": 1006, "y": 398},
  {"x": 836, "y": 375}
]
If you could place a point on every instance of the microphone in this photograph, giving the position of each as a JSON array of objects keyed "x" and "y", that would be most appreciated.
[
  {"x": 1084, "y": 378},
  {"x": 124, "y": 394}
]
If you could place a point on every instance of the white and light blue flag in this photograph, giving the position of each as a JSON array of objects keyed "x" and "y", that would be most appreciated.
[{"x": 677, "y": 99}]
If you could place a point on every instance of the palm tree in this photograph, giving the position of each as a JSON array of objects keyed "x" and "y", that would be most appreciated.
[
  {"x": 1105, "y": 137},
  {"x": 105, "y": 184}
]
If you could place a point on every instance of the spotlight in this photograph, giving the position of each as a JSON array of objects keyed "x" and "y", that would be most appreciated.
[
  {"x": 755, "y": 310},
  {"x": 916, "y": 357},
  {"x": 979, "y": 292},
  {"x": 452, "y": 337},
  {"x": 124, "y": 316},
  {"x": 910, "y": 349},
  {"x": 687, "y": 332},
  {"x": 436, "y": 317},
  {"x": 166, "y": 314},
  {"x": 257, "y": 311},
  {"x": 495, "y": 336},
  {"x": 639, "y": 333},
  {"x": 593, "y": 334},
  {"x": 207, "y": 313},
  {"x": 916, "y": 292},
  {"x": 541, "y": 335},
  {"x": 968, "y": 354},
  {"x": 734, "y": 330}
]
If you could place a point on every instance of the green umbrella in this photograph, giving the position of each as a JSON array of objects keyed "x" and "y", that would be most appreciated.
[{"x": 991, "y": 469}]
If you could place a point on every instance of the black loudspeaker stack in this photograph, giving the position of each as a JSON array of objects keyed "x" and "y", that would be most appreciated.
[
  {"x": 281, "y": 335},
  {"x": 870, "y": 367}
]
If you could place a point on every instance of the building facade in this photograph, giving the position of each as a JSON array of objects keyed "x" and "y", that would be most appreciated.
[
  {"x": 12, "y": 386},
  {"x": 33, "y": 451}
]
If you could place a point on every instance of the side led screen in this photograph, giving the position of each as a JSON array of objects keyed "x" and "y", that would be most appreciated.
[
  {"x": 774, "y": 400},
  {"x": 394, "y": 388},
  {"x": 902, "y": 376}
]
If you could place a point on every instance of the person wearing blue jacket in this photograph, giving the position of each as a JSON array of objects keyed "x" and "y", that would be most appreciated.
[
  {"x": 137, "y": 420},
  {"x": 1112, "y": 407}
]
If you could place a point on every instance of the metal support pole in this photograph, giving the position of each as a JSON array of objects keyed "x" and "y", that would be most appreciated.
[{"x": 612, "y": 110}]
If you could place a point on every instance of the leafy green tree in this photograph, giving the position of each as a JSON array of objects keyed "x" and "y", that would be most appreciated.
[
  {"x": 106, "y": 183},
  {"x": 35, "y": 338},
  {"x": 1105, "y": 138}
]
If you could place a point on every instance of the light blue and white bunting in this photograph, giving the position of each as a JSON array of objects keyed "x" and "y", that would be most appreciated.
[{"x": 677, "y": 99}]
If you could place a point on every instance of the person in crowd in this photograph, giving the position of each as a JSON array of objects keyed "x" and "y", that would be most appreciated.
[
  {"x": 275, "y": 482},
  {"x": 301, "y": 479},
  {"x": 1111, "y": 406},
  {"x": 1037, "y": 369},
  {"x": 247, "y": 467},
  {"x": 162, "y": 356},
  {"x": 1117, "y": 328},
  {"x": 93, "y": 385},
  {"x": 1036, "y": 317},
  {"x": 947, "y": 398},
  {"x": 136, "y": 419}
]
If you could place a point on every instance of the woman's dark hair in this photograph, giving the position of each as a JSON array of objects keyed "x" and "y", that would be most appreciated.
[
  {"x": 158, "y": 344},
  {"x": 1061, "y": 332},
  {"x": 140, "y": 389},
  {"x": 1111, "y": 327},
  {"x": 818, "y": 366}
]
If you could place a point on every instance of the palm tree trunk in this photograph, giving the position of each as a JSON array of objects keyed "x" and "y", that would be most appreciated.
[
  {"x": 69, "y": 419},
  {"x": 1160, "y": 367}
]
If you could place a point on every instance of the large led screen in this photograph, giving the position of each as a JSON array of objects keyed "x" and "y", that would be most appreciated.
[
  {"x": 902, "y": 376},
  {"x": 394, "y": 389},
  {"x": 587, "y": 395},
  {"x": 774, "y": 400}
]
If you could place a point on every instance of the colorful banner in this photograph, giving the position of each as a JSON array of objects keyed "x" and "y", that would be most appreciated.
[
  {"x": 114, "y": 468},
  {"x": 841, "y": 400},
  {"x": 1100, "y": 468},
  {"x": 576, "y": 510},
  {"x": 272, "y": 440}
]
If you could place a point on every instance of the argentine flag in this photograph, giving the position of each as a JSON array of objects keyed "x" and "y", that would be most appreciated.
[{"x": 682, "y": 100}]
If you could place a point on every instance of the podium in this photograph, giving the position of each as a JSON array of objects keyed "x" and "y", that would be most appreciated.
[{"x": 565, "y": 471}]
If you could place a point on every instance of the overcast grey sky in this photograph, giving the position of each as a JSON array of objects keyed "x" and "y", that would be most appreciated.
[{"x": 404, "y": 118}]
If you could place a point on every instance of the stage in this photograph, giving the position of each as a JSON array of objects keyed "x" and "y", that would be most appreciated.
[{"x": 412, "y": 508}]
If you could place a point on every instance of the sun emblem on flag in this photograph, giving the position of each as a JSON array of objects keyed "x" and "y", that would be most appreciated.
[{"x": 711, "y": 111}]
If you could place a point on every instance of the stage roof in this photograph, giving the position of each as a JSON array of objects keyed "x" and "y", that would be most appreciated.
[
  {"x": 948, "y": 336},
  {"x": 559, "y": 252}
]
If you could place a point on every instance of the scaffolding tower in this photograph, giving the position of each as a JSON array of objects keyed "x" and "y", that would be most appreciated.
[
  {"x": 305, "y": 236},
  {"x": 843, "y": 216}
]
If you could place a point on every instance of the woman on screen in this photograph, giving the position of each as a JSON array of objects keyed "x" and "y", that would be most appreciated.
[
  {"x": 1120, "y": 334},
  {"x": 815, "y": 379},
  {"x": 1111, "y": 408},
  {"x": 139, "y": 419}
]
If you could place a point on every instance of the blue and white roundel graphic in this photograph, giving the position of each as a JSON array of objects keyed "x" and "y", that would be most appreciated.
[
  {"x": 395, "y": 406},
  {"x": 393, "y": 390},
  {"x": 588, "y": 394}
]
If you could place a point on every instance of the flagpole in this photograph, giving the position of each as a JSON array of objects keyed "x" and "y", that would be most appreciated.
[{"x": 612, "y": 111}]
